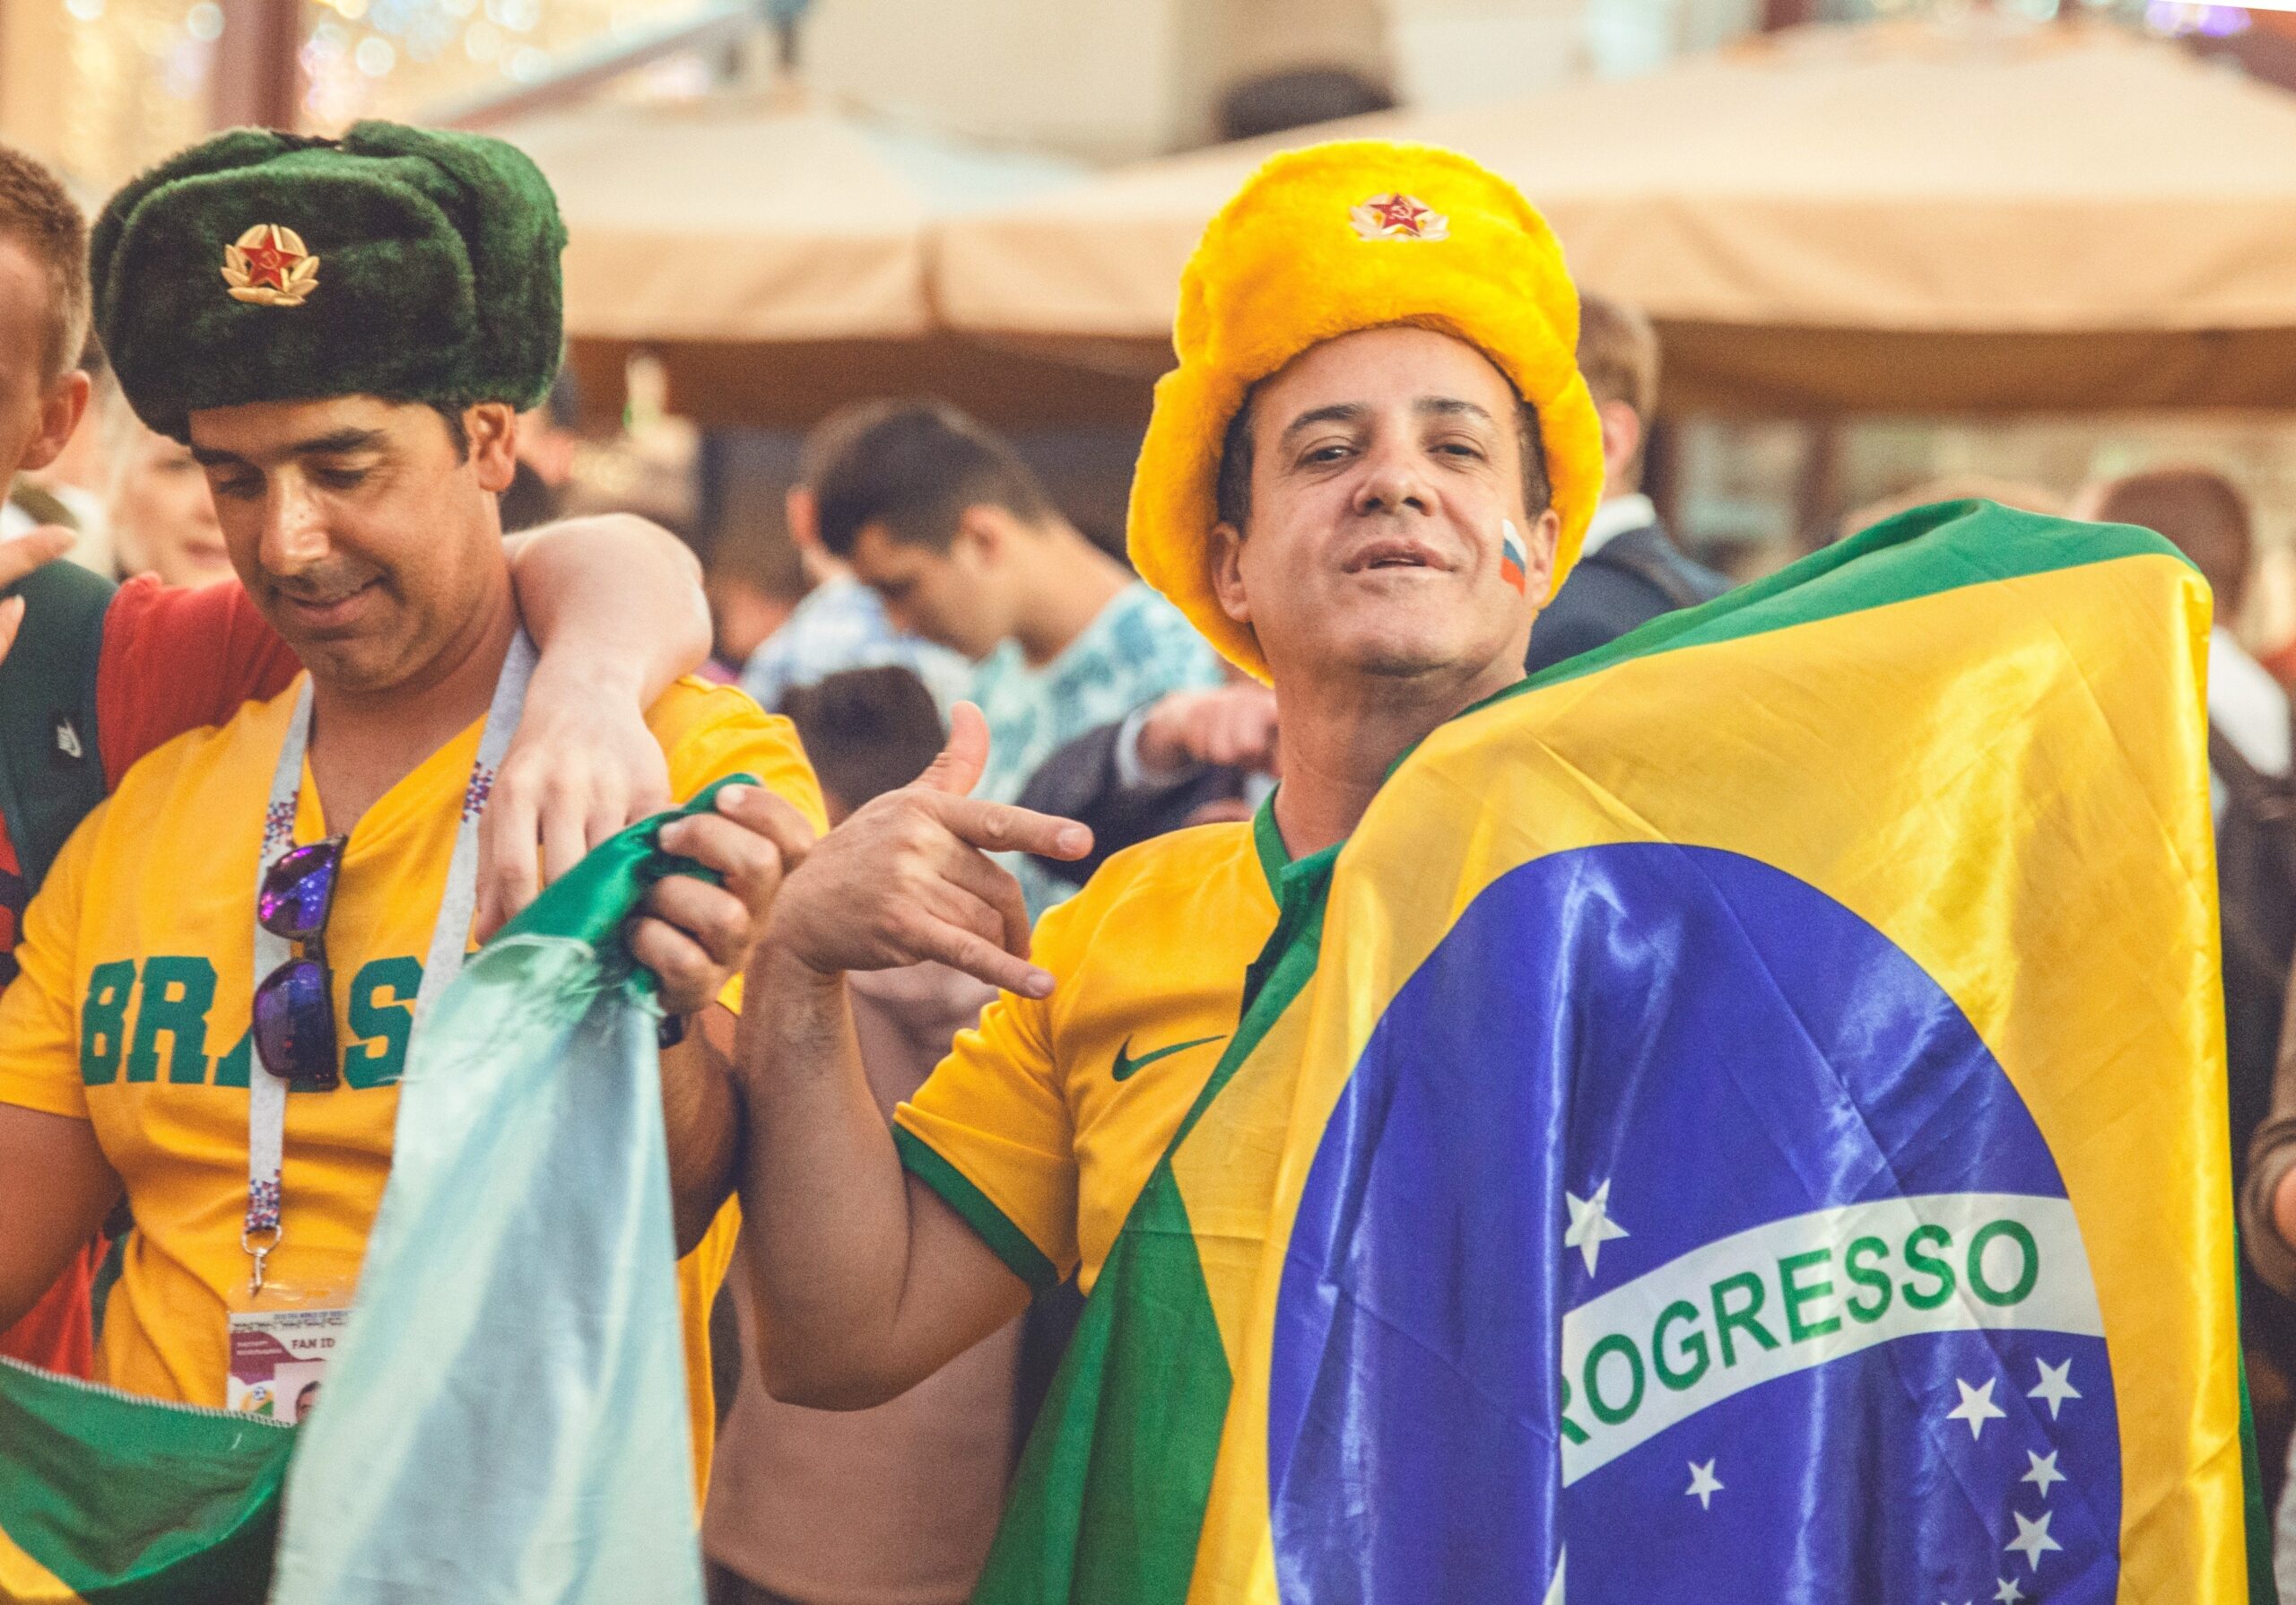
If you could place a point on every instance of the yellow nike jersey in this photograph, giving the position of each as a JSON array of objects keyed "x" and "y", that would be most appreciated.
[{"x": 1042, "y": 1125}]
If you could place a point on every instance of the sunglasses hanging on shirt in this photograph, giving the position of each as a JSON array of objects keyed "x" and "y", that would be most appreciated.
[{"x": 294, "y": 1004}]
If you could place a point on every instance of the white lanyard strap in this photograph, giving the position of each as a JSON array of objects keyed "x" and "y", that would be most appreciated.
[{"x": 267, "y": 1093}]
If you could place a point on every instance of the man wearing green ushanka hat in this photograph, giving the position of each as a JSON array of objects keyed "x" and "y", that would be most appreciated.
[
  {"x": 404, "y": 263},
  {"x": 345, "y": 331}
]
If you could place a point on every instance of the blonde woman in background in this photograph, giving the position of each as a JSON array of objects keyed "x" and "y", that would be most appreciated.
[{"x": 162, "y": 518}]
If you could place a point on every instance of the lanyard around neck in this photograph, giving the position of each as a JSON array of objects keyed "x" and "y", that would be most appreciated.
[{"x": 267, "y": 1093}]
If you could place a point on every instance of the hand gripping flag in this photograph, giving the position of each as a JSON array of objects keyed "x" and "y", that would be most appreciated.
[
  {"x": 1743, "y": 1119},
  {"x": 506, "y": 1422}
]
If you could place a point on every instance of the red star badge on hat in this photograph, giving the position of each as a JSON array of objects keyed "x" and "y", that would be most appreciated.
[
  {"x": 1398, "y": 216},
  {"x": 269, "y": 265}
]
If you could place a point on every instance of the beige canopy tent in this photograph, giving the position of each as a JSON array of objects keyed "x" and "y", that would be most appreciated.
[
  {"x": 1903, "y": 217},
  {"x": 772, "y": 253}
]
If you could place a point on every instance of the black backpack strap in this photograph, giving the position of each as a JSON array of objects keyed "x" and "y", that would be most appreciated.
[
  {"x": 2258, "y": 795},
  {"x": 51, "y": 770}
]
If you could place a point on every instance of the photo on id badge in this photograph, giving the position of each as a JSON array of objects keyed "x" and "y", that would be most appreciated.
[{"x": 279, "y": 1359}]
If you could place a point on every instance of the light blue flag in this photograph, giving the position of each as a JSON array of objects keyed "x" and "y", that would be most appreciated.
[{"x": 506, "y": 1422}]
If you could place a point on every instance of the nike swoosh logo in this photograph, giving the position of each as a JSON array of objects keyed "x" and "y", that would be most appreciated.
[{"x": 1126, "y": 1064}]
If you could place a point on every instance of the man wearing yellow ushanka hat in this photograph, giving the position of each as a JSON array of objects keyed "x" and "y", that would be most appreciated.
[{"x": 1375, "y": 460}]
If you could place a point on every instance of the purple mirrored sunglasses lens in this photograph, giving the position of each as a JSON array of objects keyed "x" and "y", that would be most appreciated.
[
  {"x": 294, "y": 1025},
  {"x": 299, "y": 889}
]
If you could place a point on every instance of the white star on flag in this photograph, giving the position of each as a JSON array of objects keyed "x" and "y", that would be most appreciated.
[
  {"x": 2008, "y": 1593},
  {"x": 2043, "y": 1472},
  {"x": 1554, "y": 1590},
  {"x": 1591, "y": 1225},
  {"x": 2053, "y": 1390},
  {"x": 1703, "y": 1484},
  {"x": 1977, "y": 1407},
  {"x": 2033, "y": 1539}
]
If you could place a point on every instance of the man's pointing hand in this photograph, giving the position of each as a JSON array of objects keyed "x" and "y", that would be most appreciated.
[{"x": 907, "y": 878}]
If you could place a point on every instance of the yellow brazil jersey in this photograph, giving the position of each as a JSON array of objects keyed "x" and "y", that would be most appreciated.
[
  {"x": 131, "y": 1012},
  {"x": 1042, "y": 1125}
]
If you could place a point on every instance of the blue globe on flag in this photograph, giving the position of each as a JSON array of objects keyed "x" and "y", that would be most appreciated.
[{"x": 1677, "y": 1239}]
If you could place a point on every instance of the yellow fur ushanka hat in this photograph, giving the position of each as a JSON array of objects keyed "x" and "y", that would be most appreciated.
[{"x": 1322, "y": 242}]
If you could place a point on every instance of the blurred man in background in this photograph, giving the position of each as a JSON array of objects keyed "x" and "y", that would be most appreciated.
[
  {"x": 894, "y": 1506},
  {"x": 2205, "y": 516},
  {"x": 965, "y": 547},
  {"x": 548, "y": 440},
  {"x": 1191, "y": 757},
  {"x": 1630, "y": 571},
  {"x": 72, "y": 489},
  {"x": 840, "y": 623},
  {"x": 754, "y": 591}
]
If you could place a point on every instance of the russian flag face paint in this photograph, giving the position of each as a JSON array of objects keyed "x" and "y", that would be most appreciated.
[{"x": 1513, "y": 561}]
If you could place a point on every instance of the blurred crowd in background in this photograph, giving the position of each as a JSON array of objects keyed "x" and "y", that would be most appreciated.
[{"x": 889, "y": 522}]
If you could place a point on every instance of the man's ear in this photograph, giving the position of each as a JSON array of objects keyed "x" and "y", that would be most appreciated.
[
  {"x": 1538, "y": 555},
  {"x": 492, "y": 427},
  {"x": 986, "y": 530},
  {"x": 59, "y": 414},
  {"x": 1621, "y": 439},
  {"x": 1228, "y": 572},
  {"x": 802, "y": 512}
]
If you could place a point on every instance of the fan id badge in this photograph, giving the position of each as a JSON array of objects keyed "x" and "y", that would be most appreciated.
[{"x": 279, "y": 1358}]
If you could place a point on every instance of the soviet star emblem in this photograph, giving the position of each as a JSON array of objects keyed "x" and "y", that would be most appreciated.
[
  {"x": 269, "y": 265},
  {"x": 1398, "y": 217}
]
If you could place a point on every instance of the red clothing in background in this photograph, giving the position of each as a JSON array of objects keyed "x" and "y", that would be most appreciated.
[{"x": 172, "y": 660}]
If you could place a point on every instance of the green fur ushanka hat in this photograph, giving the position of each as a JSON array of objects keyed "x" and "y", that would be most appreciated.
[{"x": 411, "y": 264}]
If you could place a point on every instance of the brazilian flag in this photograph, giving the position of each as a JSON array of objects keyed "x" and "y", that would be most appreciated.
[
  {"x": 1743, "y": 1119},
  {"x": 120, "y": 1501}
]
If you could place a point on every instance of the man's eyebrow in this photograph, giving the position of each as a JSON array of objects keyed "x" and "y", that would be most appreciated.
[
  {"x": 333, "y": 443},
  {"x": 1344, "y": 412},
  {"x": 336, "y": 442},
  {"x": 1451, "y": 406}
]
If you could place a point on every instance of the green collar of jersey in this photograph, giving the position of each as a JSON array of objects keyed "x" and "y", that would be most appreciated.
[{"x": 1275, "y": 857}]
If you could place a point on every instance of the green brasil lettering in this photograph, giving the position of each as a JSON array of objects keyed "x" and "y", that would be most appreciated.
[
  {"x": 103, "y": 1022},
  {"x": 172, "y": 997},
  {"x": 382, "y": 1018},
  {"x": 1610, "y": 1379},
  {"x": 130, "y": 1009}
]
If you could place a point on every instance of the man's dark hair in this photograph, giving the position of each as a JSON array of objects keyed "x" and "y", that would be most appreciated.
[
  {"x": 915, "y": 466},
  {"x": 2200, "y": 512},
  {"x": 1232, "y": 488},
  {"x": 41, "y": 215},
  {"x": 457, "y": 434},
  {"x": 867, "y": 731},
  {"x": 1297, "y": 97}
]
